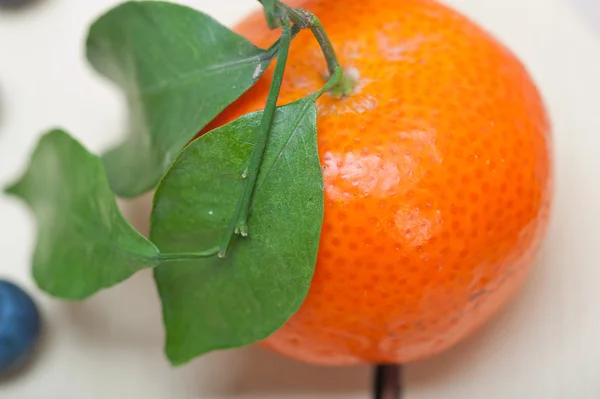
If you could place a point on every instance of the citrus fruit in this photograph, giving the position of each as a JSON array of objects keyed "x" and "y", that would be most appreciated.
[{"x": 438, "y": 179}]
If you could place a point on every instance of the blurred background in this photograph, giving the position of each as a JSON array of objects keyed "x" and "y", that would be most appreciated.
[{"x": 545, "y": 344}]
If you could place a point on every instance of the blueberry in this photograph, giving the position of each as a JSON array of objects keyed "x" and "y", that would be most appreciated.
[{"x": 20, "y": 326}]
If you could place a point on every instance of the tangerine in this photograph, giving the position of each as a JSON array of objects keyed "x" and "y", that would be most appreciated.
[{"x": 438, "y": 179}]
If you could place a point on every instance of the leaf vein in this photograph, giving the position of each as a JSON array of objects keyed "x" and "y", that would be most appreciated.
[{"x": 297, "y": 123}]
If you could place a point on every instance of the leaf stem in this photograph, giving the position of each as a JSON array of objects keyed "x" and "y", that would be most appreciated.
[
  {"x": 302, "y": 19},
  {"x": 305, "y": 19},
  {"x": 239, "y": 223},
  {"x": 273, "y": 50},
  {"x": 179, "y": 256},
  {"x": 333, "y": 81}
]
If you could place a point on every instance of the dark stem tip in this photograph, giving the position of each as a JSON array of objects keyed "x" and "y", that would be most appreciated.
[{"x": 387, "y": 382}]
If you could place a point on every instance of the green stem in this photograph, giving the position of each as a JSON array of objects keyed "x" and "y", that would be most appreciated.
[
  {"x": 273, "y": 50},
  {"x": 189, "y": 255},
  {"x": 333, "y": 81},
  {"x": 305, "y": 19},
  {"x": 239, "y": 223}
]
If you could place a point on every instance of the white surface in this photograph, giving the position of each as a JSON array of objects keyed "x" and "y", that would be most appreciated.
[{"x": 546, "y": 344}]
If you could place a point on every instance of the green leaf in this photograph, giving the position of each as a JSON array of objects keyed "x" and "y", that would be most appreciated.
[
  {"x": 215, "y": 303},
  {"x": 270, "y": 13},
  {"x": 83, "y": 243},
  {"x": 179, "y": 69}
]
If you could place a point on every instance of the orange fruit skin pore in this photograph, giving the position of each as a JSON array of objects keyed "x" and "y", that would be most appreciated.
[{"x": 438, "y": 179}]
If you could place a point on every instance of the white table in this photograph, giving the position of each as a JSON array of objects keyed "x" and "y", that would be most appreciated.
[{"x": 546, "y": 344}]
